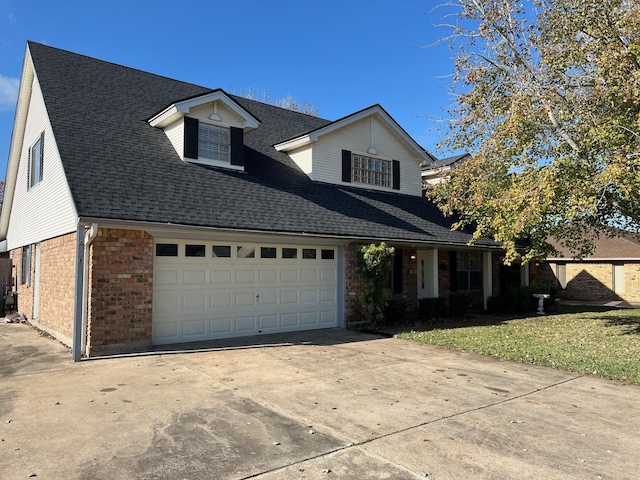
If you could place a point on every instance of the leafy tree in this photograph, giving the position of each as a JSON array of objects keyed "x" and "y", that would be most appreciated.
[
  {"x": 548, "y": 102},
  {"x": 374, "y": 264}
]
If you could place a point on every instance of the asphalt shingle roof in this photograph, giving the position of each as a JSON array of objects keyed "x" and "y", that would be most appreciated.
[{"x": 119, "y": 167}]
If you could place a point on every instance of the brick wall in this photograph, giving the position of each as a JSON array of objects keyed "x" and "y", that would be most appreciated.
[
  {"x": 590, "y": 280},
  {"x": 121, "y": 291},
  {"x": 57, "y": 286}
]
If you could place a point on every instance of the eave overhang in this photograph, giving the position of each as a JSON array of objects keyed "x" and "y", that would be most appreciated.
[{"x": 178, "y": 110}]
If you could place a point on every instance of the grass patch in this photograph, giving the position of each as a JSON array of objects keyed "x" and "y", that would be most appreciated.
[{"x": 604, "y": 343}]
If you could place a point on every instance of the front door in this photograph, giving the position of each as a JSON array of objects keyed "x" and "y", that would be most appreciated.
[{"x": 427, "y": 273}]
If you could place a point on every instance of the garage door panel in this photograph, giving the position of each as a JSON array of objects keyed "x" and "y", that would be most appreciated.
[
  {"x": 328, "y": 274},
  {"x": 268, "y": 298},
  {"x": 289, "y": 297},
  {"x": 289, "y": 319},
  {"x": 328, "y": 318},
  {"x": 309, "y": 275},
  {"x": 245, "y": 299},
  {"x": 193, "y": 327},
  {"x": 309, "y": 296},
  {"x": 166, "y": 277},
  {"x": 245, "y": 276},
  {"x": 220, "y": 300},
  {"x": 220, "y": 326},
  {"x": 221, "y": 277},
  {"x": 288, "y": 275},
  {"x": 268, "y": 276},
  {"x": 194, "y": 277},
  {"x": 244, "y": 324},
  {"x": 165, "y": 303},
  {"x": 195, "y": 302},
  {"x": 224, "y": 296},
  {"x": 309, "y": 318},
  {"x": 327, "y": 296},
  {"x": 268, "y": 321}
]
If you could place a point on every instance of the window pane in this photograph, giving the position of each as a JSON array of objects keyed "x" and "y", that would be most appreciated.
[
  {"x": 309, "y": 253},
  {"x": 213, "y": 142},
  {"x": 463, "y": 280},
  {"x": 166, "y": 250},
  {"x": 267, "y": 252},
  {"x": 289, "y": 253},
  {"x": 327, "y": 254},
  {"x": 194, "y": 251},
  {"x": 372, "y": 171},
  {"x": 246, "y": 252},
  {"x": 221, "y": 251},
  {"x": 475, "y": 280}
]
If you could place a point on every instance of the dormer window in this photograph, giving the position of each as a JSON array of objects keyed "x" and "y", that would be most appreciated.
[
  {"x": 369, "y": 170},
  {"x": 213, "y": 142}
]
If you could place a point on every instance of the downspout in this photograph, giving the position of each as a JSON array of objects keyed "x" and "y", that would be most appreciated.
[{"x": 89, "y": 237}]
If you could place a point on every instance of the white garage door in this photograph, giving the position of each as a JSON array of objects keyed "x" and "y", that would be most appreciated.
[{"x": 210, "y": 290}]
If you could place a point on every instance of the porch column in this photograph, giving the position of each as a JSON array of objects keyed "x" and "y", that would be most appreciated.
[
  {"x": 487, "y": 276},
  {"x": 432, "y": 273},
  {"x": 524, "y": 274}
]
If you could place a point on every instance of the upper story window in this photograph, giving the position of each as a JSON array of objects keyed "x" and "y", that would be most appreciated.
[
  {"x": 36, "y": 161},
  {"x": 213, "y": 142},
  {"x": 363, "y": 169},
  {"x": 372, "y": 171}
]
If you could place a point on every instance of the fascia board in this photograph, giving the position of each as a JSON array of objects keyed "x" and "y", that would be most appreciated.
[
  {"x": 375, "y": 109},
  {"x": 17, "y": 139},
  {"x": 180, "y": 109}
]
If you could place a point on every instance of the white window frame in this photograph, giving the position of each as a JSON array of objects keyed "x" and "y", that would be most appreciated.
[
  {"x": 214, "y": 142},
  {"x": 370, "y": 170},
  {"x": 35, "y": 164},
  {"x": 25, "y": 266}
]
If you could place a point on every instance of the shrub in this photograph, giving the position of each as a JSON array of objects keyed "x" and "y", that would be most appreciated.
[
  {"x": 459, "y": 305},
  {"x": 395, "y": 311},
  {"x": 521, "y": 299},
  {"x": 374, "y": 264},
  {"x": 430, "y": 309}
]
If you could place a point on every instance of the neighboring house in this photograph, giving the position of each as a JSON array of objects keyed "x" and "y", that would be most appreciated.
[
  {"x": 611, "y": 273},
  {"x": 141, "y": 210},
  {"x": 438, "y": 170}
]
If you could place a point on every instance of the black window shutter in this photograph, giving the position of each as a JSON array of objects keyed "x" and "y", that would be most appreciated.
[
  {"x": 397, "y": 271},
  {"x": 41, "y": 159},
  {"x": 237, "y": 146},
  {"x": 396, "y": 175},
  {"x": 346, "y": 166},
  {"x": 190, "y": 137},
  {"x": 453, "y": 271}
]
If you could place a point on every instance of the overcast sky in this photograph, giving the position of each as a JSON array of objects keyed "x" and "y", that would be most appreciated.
[{"x": 340, "y": 55}]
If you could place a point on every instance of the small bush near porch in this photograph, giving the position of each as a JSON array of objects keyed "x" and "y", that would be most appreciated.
[{"x": 603, "y": 342}]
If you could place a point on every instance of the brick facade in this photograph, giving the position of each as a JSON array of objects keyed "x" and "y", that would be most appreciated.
[
  {"x": 57, "y": 286},
  {"x": 354, "y": 283},
  {"x": 590, "y": 280},
  {"x": 121, "y": 291}
]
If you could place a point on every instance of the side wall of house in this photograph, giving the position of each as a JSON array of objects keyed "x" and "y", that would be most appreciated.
[
  {"x": 591, "y": 280},
  {"x": 121, "y": 292},
  {"x": 56, "y": 288},
  {"x": 43, "y": 210}
]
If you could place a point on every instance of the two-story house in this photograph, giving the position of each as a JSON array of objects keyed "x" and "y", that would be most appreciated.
[{"x": 141, "y": 210}]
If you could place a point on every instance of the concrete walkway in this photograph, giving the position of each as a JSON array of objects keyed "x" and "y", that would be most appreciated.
[{"x": 316, "y": 405}]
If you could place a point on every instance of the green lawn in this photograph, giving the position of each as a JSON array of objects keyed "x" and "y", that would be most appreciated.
[{"x": 596, "y": 342}]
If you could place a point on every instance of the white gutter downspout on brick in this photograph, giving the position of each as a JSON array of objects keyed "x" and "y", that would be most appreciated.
[{"x": 89, "y": 237}]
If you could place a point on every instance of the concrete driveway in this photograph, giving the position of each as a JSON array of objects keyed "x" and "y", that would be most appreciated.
[{"x": 315, "y": 405}]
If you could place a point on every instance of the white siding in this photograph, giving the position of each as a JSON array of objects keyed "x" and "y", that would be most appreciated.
[
  {"x": 303, "y": 158},
  {"x": 227, "y": 116},
  {"x": 46, "y": 210},
  {"x": 175, "y": 133},
  {"x": 356, "y": 137}
]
